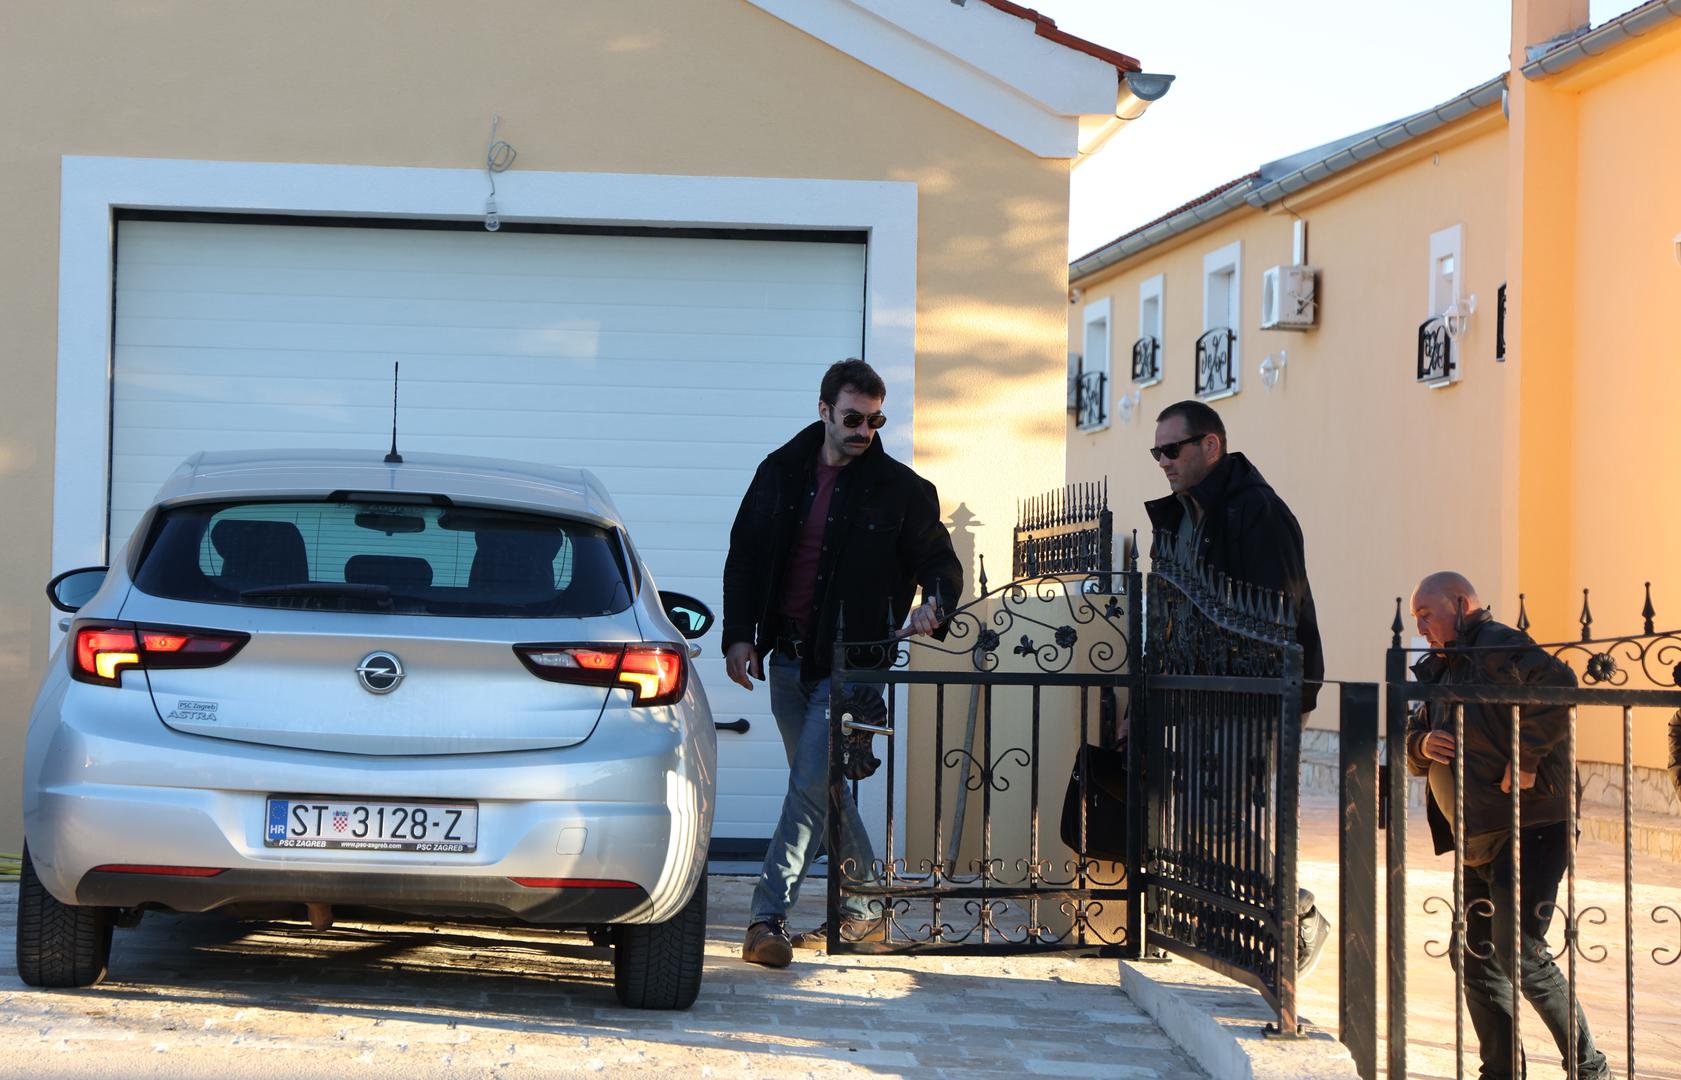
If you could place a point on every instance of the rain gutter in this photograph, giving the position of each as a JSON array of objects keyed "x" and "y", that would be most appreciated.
[{"x": 1618, "y": 31}]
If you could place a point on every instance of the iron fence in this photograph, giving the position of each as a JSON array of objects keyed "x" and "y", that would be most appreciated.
[
  {"x": 1224, "y": 686},
  {"x": 1617, "y": 674},
  {"x": 1070, "y": 638},
  {"x": 1209, "y": 675},
  {"x": 1066, "y": 531}
]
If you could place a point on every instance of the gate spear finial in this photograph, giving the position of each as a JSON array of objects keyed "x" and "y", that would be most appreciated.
[
  {"x": 1586, "y": 619},
  {"x": 1649, "y": 612},
  {"x": 1396, "y": 627}
]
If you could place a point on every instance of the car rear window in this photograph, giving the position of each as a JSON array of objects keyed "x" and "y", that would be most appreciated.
[{"x": 365, "y": 556}]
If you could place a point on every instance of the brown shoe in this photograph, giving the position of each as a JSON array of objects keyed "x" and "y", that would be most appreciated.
[
  {"x": 767, "y": 943},
  {"x": 854, "y": 931}
]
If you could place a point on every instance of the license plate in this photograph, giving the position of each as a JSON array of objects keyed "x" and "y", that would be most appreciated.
[{"x": 371, "y": 824}]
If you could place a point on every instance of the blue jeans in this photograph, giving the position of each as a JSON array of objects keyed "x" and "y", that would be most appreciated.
[{"x": 802, "y": 715}]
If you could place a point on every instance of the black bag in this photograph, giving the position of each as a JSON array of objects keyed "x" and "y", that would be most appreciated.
[{"x": 1106, "y": 803}]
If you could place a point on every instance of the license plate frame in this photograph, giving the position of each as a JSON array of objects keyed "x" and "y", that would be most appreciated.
[{"x": 331, "y": 823}]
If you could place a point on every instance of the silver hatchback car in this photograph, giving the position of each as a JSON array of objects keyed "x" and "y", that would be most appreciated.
[{"x": 440, "y": 687}]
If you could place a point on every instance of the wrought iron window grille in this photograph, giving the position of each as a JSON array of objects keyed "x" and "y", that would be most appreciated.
[
  {"x": 1090, "y": 412},
  {"x": 1147, "y": 360},
  {"x": 1216, "y": 363},
  {"x": 1436, "y": 363}
]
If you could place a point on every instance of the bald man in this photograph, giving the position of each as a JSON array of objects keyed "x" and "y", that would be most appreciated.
[{"x": 1470, "y": 647}]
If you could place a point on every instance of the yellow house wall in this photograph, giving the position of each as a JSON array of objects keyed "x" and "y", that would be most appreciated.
[
  {"x": 1623, "y": 517},
  {"x": 699, "y": 88},
  {"x": 1389, "y": 479}
]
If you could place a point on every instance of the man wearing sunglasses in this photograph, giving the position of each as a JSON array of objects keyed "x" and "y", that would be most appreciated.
[
  {"x": 1223, "y": 512},
  {"x": 829, "y": 525}
]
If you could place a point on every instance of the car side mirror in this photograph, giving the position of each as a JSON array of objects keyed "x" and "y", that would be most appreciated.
[
  {"x": 691, "y": 617},
  {"x": 72, "y": 589}
]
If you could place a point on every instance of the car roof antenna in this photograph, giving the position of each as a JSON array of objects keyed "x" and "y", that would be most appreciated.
[{"x": 394, "y": 458}]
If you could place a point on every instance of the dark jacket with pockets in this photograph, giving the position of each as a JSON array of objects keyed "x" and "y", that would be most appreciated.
[
  {"x": 885, "y": 539},
  {"x": 1493, "y": 654},
  {"x": 1250, "y": 535}
]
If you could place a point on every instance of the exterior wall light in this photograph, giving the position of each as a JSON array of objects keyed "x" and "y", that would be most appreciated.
[
  {"x": 1457, "y": 318},
  {"x": 1127, "y": 404},
  {"x": 1272, "y": 368}
]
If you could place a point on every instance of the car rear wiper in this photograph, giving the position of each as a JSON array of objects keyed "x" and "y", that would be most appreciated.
[{"x": 373, "y": 595}]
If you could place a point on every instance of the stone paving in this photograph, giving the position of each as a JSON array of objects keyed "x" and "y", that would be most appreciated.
[
  {"x": 209, "y": 997},
  {"x": 1430, "y": 981}
]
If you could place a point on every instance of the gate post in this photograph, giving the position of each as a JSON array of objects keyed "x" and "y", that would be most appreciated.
[
  {"x": 1357, "y": 883},
  {"x": 1395, "y": 848},
  {"x": 1138, "y": 775},
  {"x": 1288, "y": 828}
]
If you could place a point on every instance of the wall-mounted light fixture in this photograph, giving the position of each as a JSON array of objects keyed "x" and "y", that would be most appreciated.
[
  {"x": 1272, "y": 368},
  {"x": 1457, "y": 318},
  {"x": 1127, "y": 404}
]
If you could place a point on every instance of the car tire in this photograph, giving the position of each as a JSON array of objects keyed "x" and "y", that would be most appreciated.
[
  {"x": 59, "y": 944},
  {"x": 658, "y": 965}
]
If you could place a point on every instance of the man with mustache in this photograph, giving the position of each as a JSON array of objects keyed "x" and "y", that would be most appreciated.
[{"x": 829, "y": 524}]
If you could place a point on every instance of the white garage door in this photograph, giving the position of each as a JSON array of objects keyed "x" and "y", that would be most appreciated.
[{"x": 669, "y": 365}]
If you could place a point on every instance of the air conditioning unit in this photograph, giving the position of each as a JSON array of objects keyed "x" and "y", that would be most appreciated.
[{"x": 1288, "y": 298}]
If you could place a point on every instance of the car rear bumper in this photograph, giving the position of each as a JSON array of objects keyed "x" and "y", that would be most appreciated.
[
  {"x": 417, "y": 894},
  {"x": 106, "y": 789}
]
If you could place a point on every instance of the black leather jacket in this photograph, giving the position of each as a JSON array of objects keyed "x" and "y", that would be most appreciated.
[
  {"x": 1250, "y": 535},
  {"x": 1493, "y": 654},
  {"x": 885, "y": 539}
]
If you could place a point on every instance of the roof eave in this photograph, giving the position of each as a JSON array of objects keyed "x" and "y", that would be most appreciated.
[{"x": 1617, "y": 32}]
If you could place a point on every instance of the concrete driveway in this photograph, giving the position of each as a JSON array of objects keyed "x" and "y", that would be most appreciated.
[{"x": 208, "y": 997}]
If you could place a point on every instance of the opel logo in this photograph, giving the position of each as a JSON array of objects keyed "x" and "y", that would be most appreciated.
[{"x": 380, "y": 672}]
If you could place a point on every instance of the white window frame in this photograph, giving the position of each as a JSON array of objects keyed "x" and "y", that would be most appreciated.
[
  {"x": 1099, "y": 311},
  {"x": 1443, "y": 243},
  {"x": 1152, "y": 288},
  {"x": 1228, "y": 259}
]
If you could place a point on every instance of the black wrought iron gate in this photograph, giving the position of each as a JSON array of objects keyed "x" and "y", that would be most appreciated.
[{"x": 1202, "y": 674}]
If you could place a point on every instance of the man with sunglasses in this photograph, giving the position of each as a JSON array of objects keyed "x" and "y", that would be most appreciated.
[
  {"x": 829, "y": 526},
  {"x": 1223, "y": 512}
]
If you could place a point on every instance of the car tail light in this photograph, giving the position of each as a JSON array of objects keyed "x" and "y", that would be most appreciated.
[
  {"x": 572, "y": 883},
  {"x": 655, "y": 674},
  {"x": 104, "y": 651},
  {"x": 163, "y": 871}
]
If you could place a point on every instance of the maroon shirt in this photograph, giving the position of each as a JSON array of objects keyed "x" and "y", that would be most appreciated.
[{"x": 799, "y": 582}]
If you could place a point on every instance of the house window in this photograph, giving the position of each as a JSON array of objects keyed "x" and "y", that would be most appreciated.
[
  {"x": 1092, "y": 408},
  {"x": 1147, "y": 350},
  {"x": 1438, "y": 353},
  {"x": 1218, "y": 354}
]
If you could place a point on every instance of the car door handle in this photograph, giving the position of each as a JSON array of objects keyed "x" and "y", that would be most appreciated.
[{"x": 738, "y": 726}]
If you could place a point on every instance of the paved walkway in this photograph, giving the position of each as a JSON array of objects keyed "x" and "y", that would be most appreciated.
[
  {"x": 1430, "y": 982},
  {"x": 196, "y": 997}
]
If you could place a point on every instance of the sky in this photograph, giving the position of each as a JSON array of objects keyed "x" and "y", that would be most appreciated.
[{"x": 1259, "y": 81}]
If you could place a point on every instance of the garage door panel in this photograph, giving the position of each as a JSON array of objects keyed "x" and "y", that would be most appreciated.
[
  {"x": 668, "y": 365},
  {"x": 527, "y": 406},
  {"x": 577, "y": 338},
  {"x": 267, "y": 367},
  {"x": 199, "y": 309},
  {"x": 464, "y": 252},
  {"x": 160, "y": 283}
]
